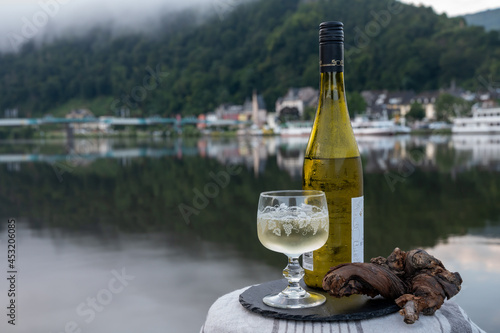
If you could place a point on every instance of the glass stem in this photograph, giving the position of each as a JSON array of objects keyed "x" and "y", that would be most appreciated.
[{"x": 293, "y": 273}]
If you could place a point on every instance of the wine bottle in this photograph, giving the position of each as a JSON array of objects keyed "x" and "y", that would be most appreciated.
[{"x": 332, "y": 163}]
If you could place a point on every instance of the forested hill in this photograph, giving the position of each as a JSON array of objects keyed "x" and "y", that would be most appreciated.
[{"x": 267, "y": 45}]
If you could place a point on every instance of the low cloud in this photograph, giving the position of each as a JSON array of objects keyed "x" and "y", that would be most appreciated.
[{"x": 37, "y": 20}]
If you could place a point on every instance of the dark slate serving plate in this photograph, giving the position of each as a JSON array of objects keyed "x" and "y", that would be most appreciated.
[{"x": 355, "y": 307}]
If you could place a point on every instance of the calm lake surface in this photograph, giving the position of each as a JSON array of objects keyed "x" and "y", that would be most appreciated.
[{"x": 144, "y": 235}]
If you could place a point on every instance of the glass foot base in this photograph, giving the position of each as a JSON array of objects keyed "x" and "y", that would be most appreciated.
[{"x": 280, "y": 300}]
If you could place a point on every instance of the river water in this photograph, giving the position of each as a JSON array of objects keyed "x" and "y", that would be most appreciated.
[{"x": 144, "y": 235}]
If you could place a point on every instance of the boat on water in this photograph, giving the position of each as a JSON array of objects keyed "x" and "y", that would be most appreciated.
[
  {"x": 360, "y": 126},
  {"x": 364, "y": 126},
  {"x": 253, "y": 130},
  {"x": 296, "y": 128},
  {"x": 483, "y": 120}
]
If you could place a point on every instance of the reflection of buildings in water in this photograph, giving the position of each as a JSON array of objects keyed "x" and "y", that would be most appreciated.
[
  {"x": 202, "y": 147},
  {"x": 484, "y": 149},
  {"x": 259, "y": 157},
  {"x": 13, "y": 166},
  {"x": 380, "y": 153},
  {"x": 251, "y": 152},
  {"x": 89, "y": 146},
  {"x": 223, "y": 151},
  {"x": 290, "y": 155},
  {"x": 83, "y": 152},
  {"x": 402, "y": 153},
  {"x": 125, "y": 161}
]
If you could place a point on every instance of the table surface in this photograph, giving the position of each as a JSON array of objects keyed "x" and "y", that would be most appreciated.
[{"x": 227, "y": 315}]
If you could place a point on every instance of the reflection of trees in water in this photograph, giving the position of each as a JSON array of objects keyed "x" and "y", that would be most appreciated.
[
  {"x": 427, "y": 207},
  {"x": 143, "y": 196}
]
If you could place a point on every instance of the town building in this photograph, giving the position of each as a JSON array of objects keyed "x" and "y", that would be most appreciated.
[
  {"x": 253, "y": 109},
  {"x": 296, "y": 100},
  {"x": 382, "y": 102},
  {"x": 256, "y": 109},
  {"x": 428, "y": 100},
  {"x": 398, "y": 103},
  {"x": 228, "y": 111},
  {"x": 84, "y": 127}
]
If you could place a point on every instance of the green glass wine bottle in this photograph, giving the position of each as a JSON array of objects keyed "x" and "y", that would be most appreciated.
[{"x": 332, "y": 163}]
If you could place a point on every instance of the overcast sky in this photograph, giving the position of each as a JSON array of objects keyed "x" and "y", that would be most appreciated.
[
  {"x": 457, "y": 7},
  {"x": 21, "y": 20}
]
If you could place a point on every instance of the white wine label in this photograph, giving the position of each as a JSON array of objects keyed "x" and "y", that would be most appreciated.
[
  {"x": 307, "y": 261},
  {"x": 357, "y": 214}
]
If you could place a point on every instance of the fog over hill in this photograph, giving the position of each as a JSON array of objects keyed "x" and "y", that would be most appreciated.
[{"x": 44, "y": 20}]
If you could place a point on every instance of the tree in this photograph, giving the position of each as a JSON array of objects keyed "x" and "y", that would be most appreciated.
[
  {"x": 356, "y": 103},
  {"x": 417, "y": 112},
  {"x": 449, "y": 107},
  {"x": 309, "y": 112}
]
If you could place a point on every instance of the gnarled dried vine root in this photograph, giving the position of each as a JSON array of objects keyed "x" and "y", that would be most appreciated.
[
  {"x": 418, "y": 282},
  {"x": 360, "y": 278}
]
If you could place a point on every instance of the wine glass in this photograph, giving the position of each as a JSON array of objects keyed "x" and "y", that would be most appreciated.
[{"x": 293, "y": 222}]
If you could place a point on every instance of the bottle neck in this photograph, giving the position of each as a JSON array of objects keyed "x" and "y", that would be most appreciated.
[
  {"x": 331, "y": 62},
  {"x": 332, "y": 135},
  {"x": 332, "y": 87}
]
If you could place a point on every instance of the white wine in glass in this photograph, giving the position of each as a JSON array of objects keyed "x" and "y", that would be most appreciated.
[{"x": 293, "y": 222}]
